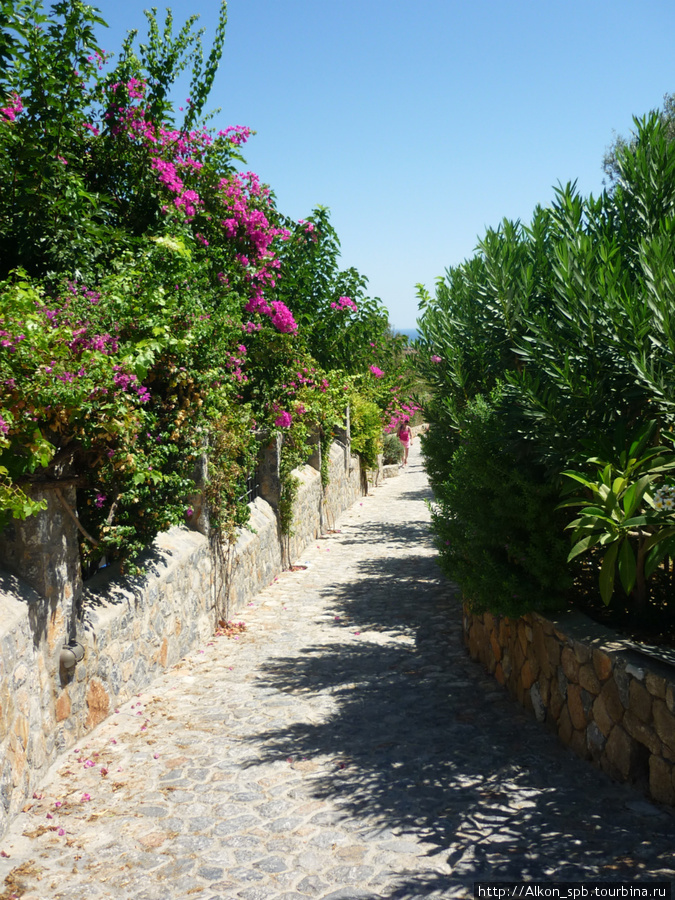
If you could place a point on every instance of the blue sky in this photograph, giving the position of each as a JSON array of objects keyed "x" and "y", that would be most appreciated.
[{"x": 419, "y": 124}]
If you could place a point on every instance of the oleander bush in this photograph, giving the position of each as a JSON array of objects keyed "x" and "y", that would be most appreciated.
[{"x": 564, "y": 329}]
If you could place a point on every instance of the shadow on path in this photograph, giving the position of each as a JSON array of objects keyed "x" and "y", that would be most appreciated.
[{"x": 423, "y": 744}]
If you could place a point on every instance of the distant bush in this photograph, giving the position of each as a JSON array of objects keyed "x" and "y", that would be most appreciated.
[{"x": 392, "y": 450}]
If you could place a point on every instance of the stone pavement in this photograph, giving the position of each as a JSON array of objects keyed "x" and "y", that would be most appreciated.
[{"x": 342, "y": 746}]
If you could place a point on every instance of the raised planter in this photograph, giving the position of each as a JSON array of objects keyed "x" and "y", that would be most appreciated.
[{"x": 610, "y": 701}]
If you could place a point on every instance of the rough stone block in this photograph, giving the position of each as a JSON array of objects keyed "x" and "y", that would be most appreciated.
[
  {"x": 670, "y": 697},
  {"x": 538, "y": 705},
  {"x": 553, "y": 651},
  {"x": 612, "y": 700},
  {"x": 570, "y": 664},
  {"x": 620, "y": 751},
  {"x": 642, "y": 733},
  {"x": 661, "y": 780},
  {"x": 602, "y": 663},
  {"x": 622, "y": 680},
  {"x": 98, "y": 703},
  {"x": 576, "y": 707},
  {"x": 595, "y": 740},
  {"x": 582, "y": 653},
  {"x": 522, "y": 637},
  {"x": 556, "y": 701},
  {"x": 539, "y": 648},
  {"x": 21, "y": 729},
  {"x": 588, "y": 679},
  {"x": 655, "y": 685},
  {"x": 565, "y": 727},
  {"x": 527, "y": 677},
  {"x": 664, "y": 723},
  {"x": 496, "y": 648},
  {"x": 640, "y": 701},
  {"x": 579, "y": 745},
  {"x": 601, "y": 716},
  {"x": 63, "y": 707}
]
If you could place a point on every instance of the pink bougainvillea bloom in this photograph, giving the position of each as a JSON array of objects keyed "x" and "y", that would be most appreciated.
[
  {"x": 282, "y": 318},
  {"x": 61, "y": 832},
  {"x": 89, "y": 764},
  {"x": 436, "y": 359},
  {"x": 284, "y": 420},
  {"x": 377, "y": 372},
  {"x": 85, "y": 798}
]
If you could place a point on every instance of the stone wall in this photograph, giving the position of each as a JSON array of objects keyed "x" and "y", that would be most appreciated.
[
  {"x": 131, "y": 629},
  {"x": 610, "y": 703}
]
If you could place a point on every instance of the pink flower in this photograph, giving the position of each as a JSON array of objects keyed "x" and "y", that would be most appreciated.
[
  {"x": 436, "y": 359},
  {"x": 14, "y": 107},
  {"x": 282, "y": 318},
  {"x": 377, "y": 372},
  {"x": 284, "y": 420}
]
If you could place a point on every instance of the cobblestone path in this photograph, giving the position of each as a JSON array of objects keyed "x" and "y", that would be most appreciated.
[{"x": 343, "y": 746}]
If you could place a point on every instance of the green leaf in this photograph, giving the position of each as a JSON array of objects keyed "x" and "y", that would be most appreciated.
[
  {"x": 627, "y": 566},
  {"x": 633, "y": 496},
  {"x": 584, "y": 544},
  {"x": 573, "y": 501},
  {"x": 619, "y": 485},
  {"x": 580, "y": 478},
  {"x": 607, "y": 573},
  {"x": 636, "y": 521},
  {"x": 658, "y": 537},
  {"x": 654, "y": 558}
]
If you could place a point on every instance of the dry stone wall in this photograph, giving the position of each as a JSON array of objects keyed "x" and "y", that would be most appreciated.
[
  {"x": 609, "y": 703},
  {"x": 131, "y": 629}
]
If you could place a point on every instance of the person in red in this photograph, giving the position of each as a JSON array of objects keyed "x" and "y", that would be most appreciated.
[{"x": 405, "y": 437}]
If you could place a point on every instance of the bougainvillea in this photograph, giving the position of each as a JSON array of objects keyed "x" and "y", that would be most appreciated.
[{"x": 153, "y": 302}]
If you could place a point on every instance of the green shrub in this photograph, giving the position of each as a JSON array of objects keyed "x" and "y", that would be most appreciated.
[
  {"x": 366, "y": 430},
  {"x": 497, "y": 530},
  {"x": 392, "y": 450}
]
